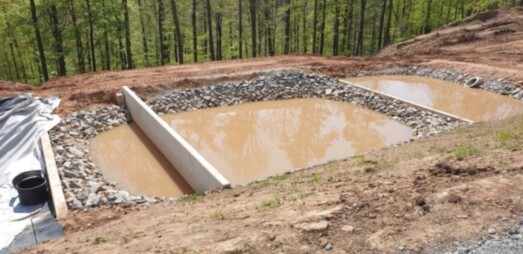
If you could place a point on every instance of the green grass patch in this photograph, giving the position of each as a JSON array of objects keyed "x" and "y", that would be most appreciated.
[
  {"x": 463, "y": 151},
  {"x": 360, "y": 159},
  {"x": 273, "y": 180},
  {"x": 192, "y": 198},
  {"x": 217, "y": 215},
  {"x": 505, "y": 136},
  {"x": 100, "y": 240},
  {"x": 315, "y": 177},
  {"x": 273, "y": 203}
]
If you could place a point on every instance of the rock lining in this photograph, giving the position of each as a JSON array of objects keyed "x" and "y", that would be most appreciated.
[{"x": 85, "y": 186}]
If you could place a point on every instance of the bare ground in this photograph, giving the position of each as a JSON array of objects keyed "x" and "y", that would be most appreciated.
[{"x": 421, "y": 196}]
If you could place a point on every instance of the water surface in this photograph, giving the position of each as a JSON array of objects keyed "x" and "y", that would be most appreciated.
[
  {"x": 473, "y": 104},
  {"x": 253, "y": 141}
]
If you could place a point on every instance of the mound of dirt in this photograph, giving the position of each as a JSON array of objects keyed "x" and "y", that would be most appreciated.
[{"x": 495, "y": 34}]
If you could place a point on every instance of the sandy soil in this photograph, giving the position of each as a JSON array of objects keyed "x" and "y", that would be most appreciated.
[{"x": 421, "y": 196}]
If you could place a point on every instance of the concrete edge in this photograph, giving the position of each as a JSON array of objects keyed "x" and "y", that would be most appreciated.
[
  {"x": 55, "y": 185},
  {"x": 416, "y": 105},
  {"x": 195, "y": 169}
]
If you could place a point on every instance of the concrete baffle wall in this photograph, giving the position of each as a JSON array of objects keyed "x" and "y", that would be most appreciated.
[{"x": 196, "y": 170}]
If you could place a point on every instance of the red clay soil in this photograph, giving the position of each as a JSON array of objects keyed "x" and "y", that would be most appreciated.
[{"x": 490, "y": 45}]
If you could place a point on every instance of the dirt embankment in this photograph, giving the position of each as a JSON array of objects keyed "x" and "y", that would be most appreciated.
[{"x": 488, "y": 44}]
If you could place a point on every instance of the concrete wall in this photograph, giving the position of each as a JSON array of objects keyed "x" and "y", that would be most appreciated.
[
  {"x": 413, "y": 104},
  {"x": 196, "y": 170}
]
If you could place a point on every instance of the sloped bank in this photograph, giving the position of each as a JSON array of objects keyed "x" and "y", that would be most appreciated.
[{"x": 85, "y": 186}]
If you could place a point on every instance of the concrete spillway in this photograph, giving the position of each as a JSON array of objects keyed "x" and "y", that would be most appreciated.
[{"x": 194, "y": 168}]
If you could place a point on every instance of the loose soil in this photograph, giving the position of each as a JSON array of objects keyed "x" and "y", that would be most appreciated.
[{"x": 422, "y": 196}]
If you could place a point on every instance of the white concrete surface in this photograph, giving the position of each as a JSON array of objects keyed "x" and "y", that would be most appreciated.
[{"x": 196, "y": 170}]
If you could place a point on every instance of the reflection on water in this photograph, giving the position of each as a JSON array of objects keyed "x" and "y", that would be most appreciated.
[
  {"x": 253, "y": 141},
  {"x": 125, "y": 155},
  {"x": 473, "y": 104}
]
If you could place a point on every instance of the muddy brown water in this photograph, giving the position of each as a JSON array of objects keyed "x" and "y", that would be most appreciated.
[
  {"x": 247, "y": 142},
  {"x": 256, "y": 140},
  {"x": 474, "y": 104},
  {"x": 126, "y": 156}
]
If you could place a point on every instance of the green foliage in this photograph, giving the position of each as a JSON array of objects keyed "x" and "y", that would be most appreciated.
[{"x": 410, "y": 18}]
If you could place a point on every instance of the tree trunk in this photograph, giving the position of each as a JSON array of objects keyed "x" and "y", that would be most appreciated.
[
  {"x": 78, "y": 38},
  {"x": 39, "y": 41},
  {"x": 346, "y": 43},
  {"x": 164, "y": 48},
  {"x": 336, "y": 30},
  {"x": 57, "y": 34},
  {"x": 287, "y": 18},
  {"x": 107, "y": 65},
  {"x": 386, "y": 41},
  {"x": 315, "y": 27},
  {"x": 219, "y": 35},
  {"x": 121, "y": 49},
  {"x": 91, "y": 35},
  {"x": 426, "y": 27},
  {"x": 253, "y": 25},
  {"x": 240, "y": 29},
  {"x": 382, "y": 23},
  {"x": 128, "y": 50},
  {"x": 9, "y": 71},
  {"x": 14, "y": 61},
  {"x": 268, "y": 31},
  {"x": 194, "y": 33},
  {"x": 322, "y": 32},
  {"x": 305, "y": 37},
  {"x": 144, "y": 38},
  {"x": 359, "y": 48},
  {"x": 178, "y": 32},
  {"x": 19, "y": 54},
  {"x": 209, "y": 28}
]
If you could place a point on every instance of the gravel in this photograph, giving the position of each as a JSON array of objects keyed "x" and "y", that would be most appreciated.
[{"x": 509, "y": 241}]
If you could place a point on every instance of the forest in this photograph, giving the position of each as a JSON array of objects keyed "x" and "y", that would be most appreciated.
[{"x": 42, "y": 39}]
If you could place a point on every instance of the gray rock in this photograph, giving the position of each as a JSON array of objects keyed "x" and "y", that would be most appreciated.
[
  {"x": 491, "y": 231},
  {"x": 92, "y": 200},
  {"x": 75, "y": 151},
  {"x": 313, "y": 226},
  {"x": 75, "y": 204},
  {"x": 93, "y": 186}
]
